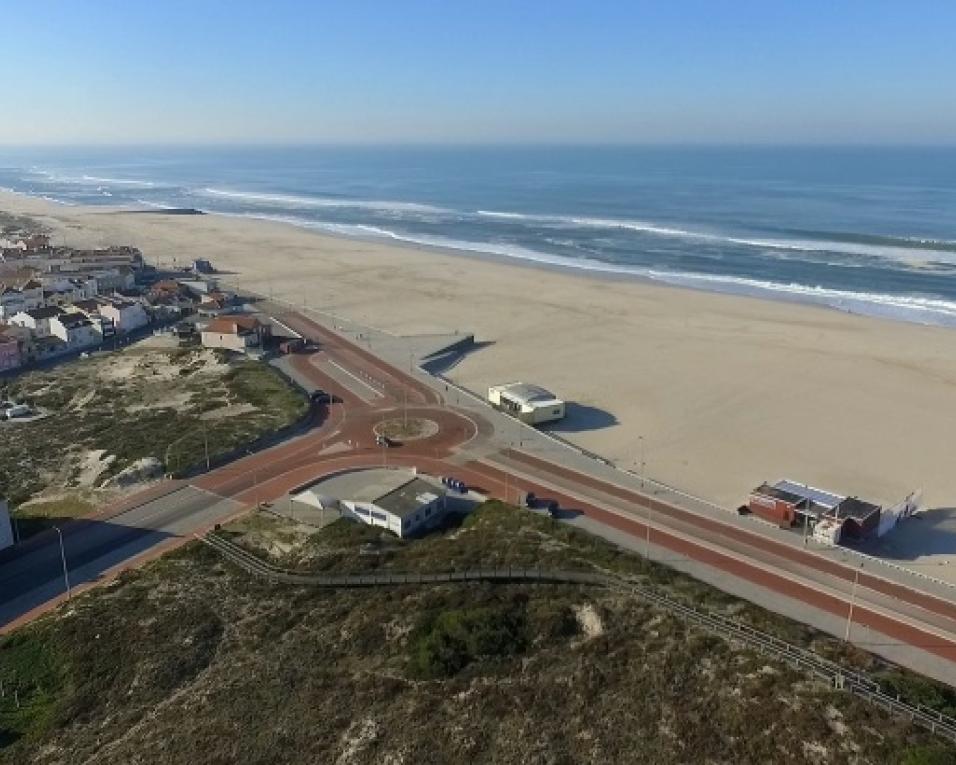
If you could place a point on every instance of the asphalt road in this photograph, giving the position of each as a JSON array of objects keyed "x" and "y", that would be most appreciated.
[{"x": 32, "y": 574}]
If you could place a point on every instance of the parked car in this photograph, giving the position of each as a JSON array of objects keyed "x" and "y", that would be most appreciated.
[
  {"x": 17, "y": 410},
  {"x": 384, "y": 441},
  {"x": 319, "y": 396}
]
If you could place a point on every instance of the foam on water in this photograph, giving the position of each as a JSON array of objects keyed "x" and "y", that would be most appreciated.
[
  {"x": 316, "y": 201},
  {"x": 923, "y": 310},
  {"x": 901, "y": 253}
]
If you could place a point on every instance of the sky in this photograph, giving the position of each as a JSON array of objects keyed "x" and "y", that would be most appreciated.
[{"x": 443, "y": 71}]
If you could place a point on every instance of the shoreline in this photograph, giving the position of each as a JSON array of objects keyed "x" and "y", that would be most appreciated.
[
  {"x": 724, "y": 391},
  {"x": 870, "y": 305}
]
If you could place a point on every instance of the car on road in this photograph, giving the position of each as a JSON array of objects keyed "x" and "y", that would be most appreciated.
[
  {"x": 384, "y": 441},
  {"x": 319, "y": 396}
]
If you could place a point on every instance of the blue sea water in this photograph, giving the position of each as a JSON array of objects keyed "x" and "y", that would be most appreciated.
[{"x": 867, "y": 230}]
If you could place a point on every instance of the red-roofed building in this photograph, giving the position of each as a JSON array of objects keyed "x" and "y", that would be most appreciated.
[{"x": 235, "y": 333}]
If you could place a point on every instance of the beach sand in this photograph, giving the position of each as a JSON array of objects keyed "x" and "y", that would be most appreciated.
[{"x": 726, "y": 391}]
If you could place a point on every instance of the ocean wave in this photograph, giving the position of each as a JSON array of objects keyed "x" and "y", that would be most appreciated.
[
  {"x": 315, "y": 201},
  {"x": 89, "y": 180},
  {"x": 912, "y": 308},
  {"x": 119, "y": 181},
  {"x": 898, "y": 251}
]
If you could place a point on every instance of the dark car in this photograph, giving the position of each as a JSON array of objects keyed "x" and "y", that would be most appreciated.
[
  {"x": 384, "y": 441},
  {"x": 319, "y": 396}
]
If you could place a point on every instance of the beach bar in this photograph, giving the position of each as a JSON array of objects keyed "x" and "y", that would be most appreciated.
[
  {"x": 529, "y": 403},
  {"x": 789, "y": 503}
]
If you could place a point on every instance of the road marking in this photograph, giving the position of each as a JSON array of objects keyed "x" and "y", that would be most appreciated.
[{"x": 357, "y": 379}]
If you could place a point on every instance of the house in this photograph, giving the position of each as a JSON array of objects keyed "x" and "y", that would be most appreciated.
[
  {"x": 398, "y": 500},
  {"x": 10, "y": 357},
  {"x": 37, "y": 319},
  {"x": 125, "y": 315},
  {"x": 12, "y": 302},
  {"x": 211, "y": 308},
  {"x": 202, "y": 266},
  {"x": 235, "y": 333},
  {"x": 75, "y": 329},
  {"x": 531, "y": 404}
]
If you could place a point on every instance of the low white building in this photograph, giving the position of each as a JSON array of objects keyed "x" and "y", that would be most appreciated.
[
  {"x": 529, "y": 403},
  {"x": 126, "y": 315},
  {"x": 37, "y": 319},
  {"x": 75, "y": 329},
  {"x": 398, "y": 500},
  {"x": 235, "y": 333},
  {"x": 6, "y": 532}
]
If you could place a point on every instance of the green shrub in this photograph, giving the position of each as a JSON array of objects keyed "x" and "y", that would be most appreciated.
[{"x": 449, "y": 641}]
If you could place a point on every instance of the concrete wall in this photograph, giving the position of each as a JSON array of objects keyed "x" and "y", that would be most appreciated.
[{"x": 6, "y": 530}]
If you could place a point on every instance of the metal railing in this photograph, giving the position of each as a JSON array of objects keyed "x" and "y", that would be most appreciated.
[{"x": 857, "y": 683}]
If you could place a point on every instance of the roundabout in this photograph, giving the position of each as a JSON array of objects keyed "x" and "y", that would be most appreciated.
[{"x": 404, "y": 429}]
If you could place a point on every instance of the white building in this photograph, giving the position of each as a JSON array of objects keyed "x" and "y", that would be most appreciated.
[
  {"x": 529, "y": 403},
  {"x": 37, "y": 319},
  {"x": 235, "y": 333},
  {"x": 75, "y": 329},
  {"x": 398, "y": 500},
  {"x": 6, "y": 532},
  {"x": 126, "y": 315}
]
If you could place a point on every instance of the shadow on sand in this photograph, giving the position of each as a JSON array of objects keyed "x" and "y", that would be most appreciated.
[
  {"x": 931, "y": 532},
  {"x": 579, "y": 418}
]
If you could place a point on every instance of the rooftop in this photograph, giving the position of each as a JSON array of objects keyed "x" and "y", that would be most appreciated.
[
  {"x": 74, "y": 320},
  {"x": 408, "y": 498},
  {"x": 233, "y": 325},
  {"x": 824, "y": 499},
  {"x": 858, "y": 509},
  {"x": 400, "y": 492},
  {"x": 527, "y": 392}
]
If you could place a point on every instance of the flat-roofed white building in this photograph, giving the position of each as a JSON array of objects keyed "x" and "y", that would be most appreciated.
[
  {"x": 529, "y": 403},
  {"x": 398, "y": 500}
]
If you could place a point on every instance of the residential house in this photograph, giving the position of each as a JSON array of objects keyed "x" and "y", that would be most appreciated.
[
  {"x": 37, "y": 319},
  {"x": 10, "y": 357},
  {"x": 235, "y": 333},
  {"x": 12, "y": 302},
  {"x": 125, "y": 315},
  {"x": 75, "y": 329}
]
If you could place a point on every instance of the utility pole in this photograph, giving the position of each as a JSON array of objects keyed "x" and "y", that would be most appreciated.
[
  {"x": 849, "y": 616},
  {"x": 66, "y": 573},
  {"x": 205, "y": 438},
  {"x": 643, "y": 463}
]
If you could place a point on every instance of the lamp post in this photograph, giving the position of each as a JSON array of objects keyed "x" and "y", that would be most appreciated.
[
  {"x": 643, "y": 462},
  {"x": 849, "y": 615},
  {"x": 66, "y": 573}
]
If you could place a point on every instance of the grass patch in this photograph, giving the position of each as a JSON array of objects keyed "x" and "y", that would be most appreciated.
[
  {"x": 135, "y": 404},
  {"x": 32, "y": 681}
]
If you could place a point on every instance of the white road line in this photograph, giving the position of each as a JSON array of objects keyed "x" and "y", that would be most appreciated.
[{"x": 356, "y": 378}]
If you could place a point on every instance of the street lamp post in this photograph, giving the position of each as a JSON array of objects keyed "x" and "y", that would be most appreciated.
[
  {"x": 849, "y": 615},
  {"x": 66, "y": 573},
  {"x": 643, "y": 462}
]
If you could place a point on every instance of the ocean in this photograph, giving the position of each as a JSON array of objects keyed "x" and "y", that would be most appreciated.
[{"x": 864, "y": 230}]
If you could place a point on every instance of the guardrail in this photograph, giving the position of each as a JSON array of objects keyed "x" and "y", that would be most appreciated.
[{"x": 839, "y": 677}]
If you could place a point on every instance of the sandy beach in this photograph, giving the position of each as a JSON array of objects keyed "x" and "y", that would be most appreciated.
[{"x": 724, "y": 391}]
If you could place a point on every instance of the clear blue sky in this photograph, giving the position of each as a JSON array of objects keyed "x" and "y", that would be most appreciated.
[{"x": 711, "y": 71}]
